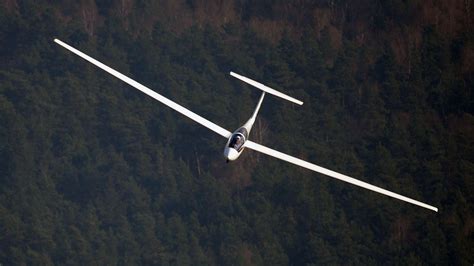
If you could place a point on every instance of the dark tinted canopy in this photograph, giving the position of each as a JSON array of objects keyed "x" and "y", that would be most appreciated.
[{"x": 237, "y": 141}]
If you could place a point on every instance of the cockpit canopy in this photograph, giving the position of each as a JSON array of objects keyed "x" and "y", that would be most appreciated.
[
  {"x": 237, "y": 141},
  {"x": 243, "y": 131}
]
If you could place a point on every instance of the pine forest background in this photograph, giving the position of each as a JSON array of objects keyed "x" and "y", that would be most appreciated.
[{"x": 93, "y": 172}]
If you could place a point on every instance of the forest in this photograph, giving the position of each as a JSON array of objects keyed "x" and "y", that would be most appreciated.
[{"x": 94, "y": 172}]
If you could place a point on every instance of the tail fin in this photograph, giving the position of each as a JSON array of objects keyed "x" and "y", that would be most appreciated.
[{"x": 265, "y": 88}]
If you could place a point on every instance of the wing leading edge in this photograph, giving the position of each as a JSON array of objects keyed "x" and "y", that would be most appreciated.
[
  {"x": 285, "y": 157},
  {"x": 197, "y": 118}
]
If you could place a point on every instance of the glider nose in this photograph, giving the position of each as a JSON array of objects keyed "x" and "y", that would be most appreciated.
[{"x": 230, "y": 154}]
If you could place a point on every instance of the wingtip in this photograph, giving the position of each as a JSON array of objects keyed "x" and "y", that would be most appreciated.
[{"x": 296, "y": 101}]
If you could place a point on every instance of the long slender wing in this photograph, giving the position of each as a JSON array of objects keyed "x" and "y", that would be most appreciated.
[
  {"x": 313, "y": 167},
  {"x": 199, "y": 119}
]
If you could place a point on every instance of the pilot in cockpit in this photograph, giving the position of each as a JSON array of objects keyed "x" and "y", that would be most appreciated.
[{"x": 238, "y": 141}]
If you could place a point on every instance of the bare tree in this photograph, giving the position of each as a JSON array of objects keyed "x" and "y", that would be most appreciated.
[
  {"x": 468, "y": 8},
  {"x": 125, "y": 8},
  {"x": 89, "y": 16},
  {"x": 261, "y": 130},
  {"x": 10, "y": 5}
]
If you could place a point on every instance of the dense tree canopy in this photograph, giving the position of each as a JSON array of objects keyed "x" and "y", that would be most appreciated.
[{"x": 95, "y": 172}]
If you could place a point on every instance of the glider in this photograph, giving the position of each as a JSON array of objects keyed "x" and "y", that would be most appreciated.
[{"x": 238, "y": 140}]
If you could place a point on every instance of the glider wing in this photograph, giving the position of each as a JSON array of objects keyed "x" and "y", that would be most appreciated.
[
  {"x": 197, "y": 118},
  {"x": 260, "y": 148}
]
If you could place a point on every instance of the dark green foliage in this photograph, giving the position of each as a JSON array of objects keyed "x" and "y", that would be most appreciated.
[{"x": 93, "y": 172}]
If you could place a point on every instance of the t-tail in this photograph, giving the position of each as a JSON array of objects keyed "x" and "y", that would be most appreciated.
[
  {"x": 265, "y": 89},
  {"x": 235, "y": 144}
]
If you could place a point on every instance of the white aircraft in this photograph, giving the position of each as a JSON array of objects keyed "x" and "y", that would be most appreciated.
[{"x": 238, "y": 140}]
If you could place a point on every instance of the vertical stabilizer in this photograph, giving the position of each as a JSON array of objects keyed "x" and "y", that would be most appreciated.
[{"x": 249, "y": 123}]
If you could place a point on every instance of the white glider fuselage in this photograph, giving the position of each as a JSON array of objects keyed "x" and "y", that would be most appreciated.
[{"x": 235, "y": 144}]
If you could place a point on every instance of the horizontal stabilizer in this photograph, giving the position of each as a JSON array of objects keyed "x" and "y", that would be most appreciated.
[{"x": 265, "y": 88}]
